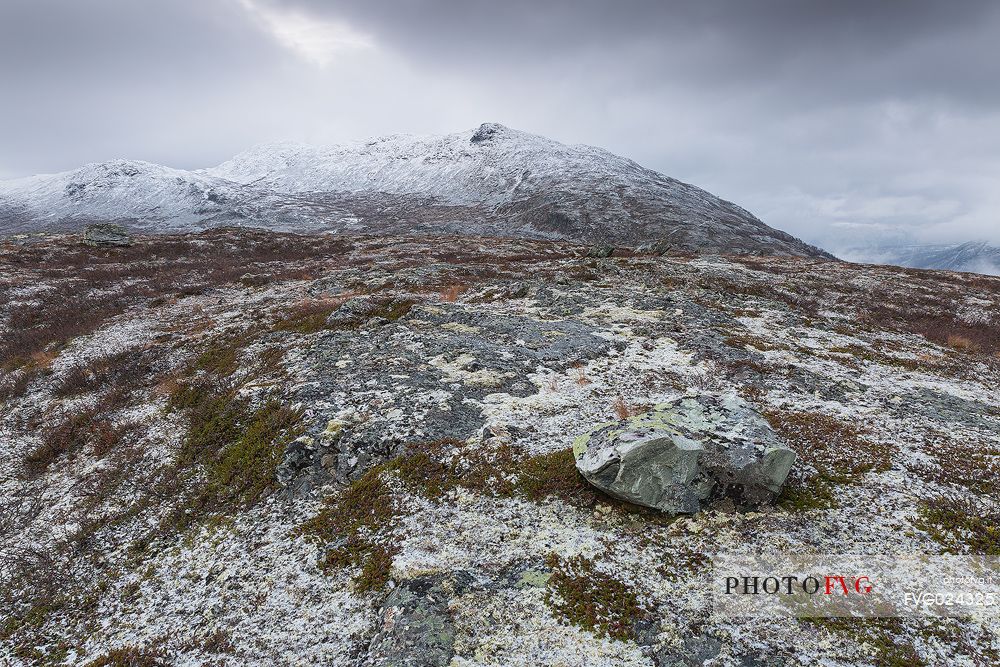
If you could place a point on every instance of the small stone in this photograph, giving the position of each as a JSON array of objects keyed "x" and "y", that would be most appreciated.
[
  {"x": 105, "y": 235},
  {"x": 684, "y": 452}
]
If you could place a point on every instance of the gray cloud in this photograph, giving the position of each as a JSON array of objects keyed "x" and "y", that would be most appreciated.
[{"x": 842, "y": 122}]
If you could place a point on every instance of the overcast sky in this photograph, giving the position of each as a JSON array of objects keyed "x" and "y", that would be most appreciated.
[{"x": 839, "y": 121}]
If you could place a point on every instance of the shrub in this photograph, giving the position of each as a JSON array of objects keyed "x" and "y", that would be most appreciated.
[
  {"x": 835, "y": 450},
  {"x": 70, "y": 436},
  {"x": 236, "y": 446},
  {"x": 122, "y": 371},
  {"x": 587, "y": 597},
  {"x": 553, "y": 474},
  {"x": 309, "y": 316},
  {"x": 624, "y": 410},
  {"x": 961, "y": 343},
  {"x": 451, "y": 293},
  {"x": 971, "y": 465},
  {"x": 961, "y": 525},
  {"x": 131, "y": 656},
  {"x": 359, "y": 522}
]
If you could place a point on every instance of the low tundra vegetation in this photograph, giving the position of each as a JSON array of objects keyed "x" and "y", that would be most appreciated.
[
  {"x": 138, "y": 483},
  {"x": 356, "y": 525},
  {"x": 962, "y": 525},
  {"x": 580, "y": 593},
  {"x": 829, "y": 452}
]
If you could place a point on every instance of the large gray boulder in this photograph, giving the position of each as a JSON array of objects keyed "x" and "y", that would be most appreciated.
[
  {"x": 685, "y": 451},
  {"x": 104, "y": 234}
]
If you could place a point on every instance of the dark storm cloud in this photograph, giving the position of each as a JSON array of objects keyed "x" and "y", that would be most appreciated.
[
  {"x": 840, "y": 48},
  {"x": 838, "y": 121}
]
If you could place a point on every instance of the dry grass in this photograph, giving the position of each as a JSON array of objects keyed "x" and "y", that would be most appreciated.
[
  {"x": 623, "y": 409},
  {"x": 67, "y": 437},
  {"x": 451, "y": 293},
  {"x": 962, "y": 343},
  {"x": 308, "y": 316}
]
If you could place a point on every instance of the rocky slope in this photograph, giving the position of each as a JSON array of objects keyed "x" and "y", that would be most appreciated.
[
  {"x": 492, "y": 181},
  {"x": 253, "y": 448}
]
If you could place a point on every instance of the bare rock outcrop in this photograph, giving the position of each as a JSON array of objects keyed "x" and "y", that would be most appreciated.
[{"x": 104, "y": 235}]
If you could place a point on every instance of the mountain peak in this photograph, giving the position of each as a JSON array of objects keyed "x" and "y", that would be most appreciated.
[
  {"x": 487, "y": 131},
  {"x": 493, "y": 181}
]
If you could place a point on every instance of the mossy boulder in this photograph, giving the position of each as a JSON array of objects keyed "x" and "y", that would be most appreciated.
[{"x": 684, "y": 452}]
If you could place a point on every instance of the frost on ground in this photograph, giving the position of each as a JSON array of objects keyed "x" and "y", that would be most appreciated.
[{"x": 250, "y": 448}]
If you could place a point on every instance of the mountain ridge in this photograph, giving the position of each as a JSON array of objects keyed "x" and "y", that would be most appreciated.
[
  {"x": 969, "y": 257},
  {"x": 491, "y": 180}
]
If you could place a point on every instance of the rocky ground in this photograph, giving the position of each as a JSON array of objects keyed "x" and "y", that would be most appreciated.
[{"x": 251, "y": 448}]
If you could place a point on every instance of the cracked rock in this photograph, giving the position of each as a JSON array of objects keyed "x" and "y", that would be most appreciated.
[{"x": 683, "y": 452}]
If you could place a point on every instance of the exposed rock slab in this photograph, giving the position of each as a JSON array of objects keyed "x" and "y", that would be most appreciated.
[
  {"x": 680, "y": 453},
  {"x": 100, "y": 235},
  {"x": 417, "y": 628}
]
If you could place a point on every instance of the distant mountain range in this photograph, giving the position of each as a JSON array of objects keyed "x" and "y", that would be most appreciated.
[
  {"x": 492, "y": 181},
  {"x": 973, "y": 257}
]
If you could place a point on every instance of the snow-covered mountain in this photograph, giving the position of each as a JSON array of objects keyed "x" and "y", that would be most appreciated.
[
  {"x": 972, "y": 257},
  {"x": 491, "y": 181}
]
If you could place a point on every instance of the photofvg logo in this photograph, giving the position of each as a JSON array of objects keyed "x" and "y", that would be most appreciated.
[
  {"x": 792, "y": 585},
  {"x": 771, "y": 585}
]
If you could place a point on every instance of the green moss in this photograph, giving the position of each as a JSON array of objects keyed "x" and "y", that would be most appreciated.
[
  {"x": 221, "y": 356},
  {"x": 879, "y": 638},
  {"x": 231, "y": 448},
  {"x": 130, "y": 656},
  {"x": 358, "y": 523},
  {"x": 305, "y": 321},
  {"x": 424, "y": 471},
  {"x": 876, "y": 354},
  {"x": 388, "y": 308},
  {"x": 375, "y": 568},
  {"x": 243, "y": 470},
  {"x": 586, "y": 597},
  {"x": 26, "y": 633},
  {"x": 552, "y": 474},
  {"x": 961, "y": 525},
  {"x": 498, "y": 471},
  {"x": 744, "y": 340},
  {"x": 186, "y": 395},
  {"x": 33, "y": 617},
  {"x": 814, "y": 493},
  {"x": 393, "y": 309}
]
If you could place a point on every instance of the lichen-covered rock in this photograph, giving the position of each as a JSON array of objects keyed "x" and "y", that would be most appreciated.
[
  {"x": 417, "y": 628},
  {"x": 682, "y": 452},
  {"x": 106, "y": 235},
  {"x": 601, "y": 251}
]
